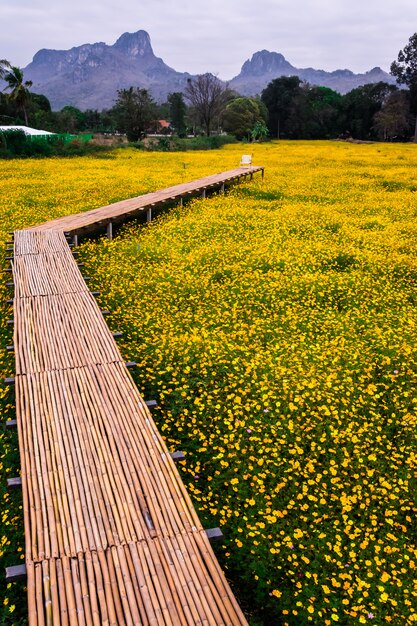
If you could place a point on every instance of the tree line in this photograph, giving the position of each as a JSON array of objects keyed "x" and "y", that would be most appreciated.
[{"x": 286, "y": 108}]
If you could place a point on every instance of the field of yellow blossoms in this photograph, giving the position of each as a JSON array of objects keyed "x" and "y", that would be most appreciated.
[{"x": 276, "y": 327}]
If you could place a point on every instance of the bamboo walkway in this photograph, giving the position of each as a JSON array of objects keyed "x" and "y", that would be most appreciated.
[
  {"x": 128, "y": 209},
  {"x": 111, "y": 534}
]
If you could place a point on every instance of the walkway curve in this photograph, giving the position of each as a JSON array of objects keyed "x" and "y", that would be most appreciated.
[{"x": 111, "y": 534}]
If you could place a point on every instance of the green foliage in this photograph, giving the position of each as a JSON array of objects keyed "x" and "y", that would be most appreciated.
[
  {"x": 40, "y": 102},
  {"x": 360, "y": 106},
  {"x": 16, "y": 144},
  {"x": 19, "y": 90},
  {"x": 177, "y": 112},
  {"x": 38, "y": 110},
  {"x": 99, "y": 121},
  {"x": 134, "y": 111},
  {"x": 4, "y": 67},
  {"x": 405, "y": 71},
  {"x": 160, "y": 144},
  {"x": 342, "y": 262},
  {"x": 259, "y": 131},
  {"x": 394, "y": 118},
  {"x": 405, "y": 68},
  {"x": 205, "y": 143},
  {"x": 242, "y": 114},
  {"x": 281, "y": 98},
  {"x": 301, "y": 111},
  {"x": 176, "y": 144},
  {"x": 70, "y": 120},
  {"x": 323, "y": 112}
]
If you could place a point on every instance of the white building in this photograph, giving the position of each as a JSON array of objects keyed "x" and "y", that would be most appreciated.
[{"x": 31, "y": 132}]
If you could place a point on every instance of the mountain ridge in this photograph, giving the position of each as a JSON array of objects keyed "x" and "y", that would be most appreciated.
[
  {"x": 88, "y": 76},
  {"x": 264, "y": 66}
]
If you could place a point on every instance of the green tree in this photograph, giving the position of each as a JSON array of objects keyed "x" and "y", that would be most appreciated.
[
  {"x": 93, "y": 120},
  {"x": 405, "y": 71},
  {"x": 19, "y": 90},
  {"x": 323, "y": 108},
  {"x": 394, "y": 119},
  {"x": 177, "y": 113},
  {"x": 259, "y": 131},
  {"x": 99, "y": 121},
  {"x": 242, "y": 114},
  {"x": 360, "y": 105},
  {"x": 70, "y": 120},
  {"x": 208, "y": 97},
  {"x": 133, "y": 112},
  {"x": 7, "y": 110},
  {"x": 283, "y": 99},
  {"x": 40, "y": 114}
]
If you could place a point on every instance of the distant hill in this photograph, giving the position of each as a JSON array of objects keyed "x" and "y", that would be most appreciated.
[
  {"x": 89, "y": 76},
  {"x": 264, "y": 66}
]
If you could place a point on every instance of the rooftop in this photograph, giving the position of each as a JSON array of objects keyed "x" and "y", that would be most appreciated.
[{"x": 26, "y": 130}]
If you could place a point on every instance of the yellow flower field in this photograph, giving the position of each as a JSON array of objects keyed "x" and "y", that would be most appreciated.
[{"x": 276, "y": 327}]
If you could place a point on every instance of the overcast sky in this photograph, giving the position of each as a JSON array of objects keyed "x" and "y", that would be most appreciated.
[{"x": 218, "y": 35}]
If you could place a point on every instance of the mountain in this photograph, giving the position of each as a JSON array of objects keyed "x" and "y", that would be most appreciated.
[
  {"x": 89, "y": 76},
  {"x": 264, "y": 66}
]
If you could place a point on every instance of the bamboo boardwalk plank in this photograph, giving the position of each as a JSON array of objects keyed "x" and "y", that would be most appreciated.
[
  {"x": 61, "y": 331},
  {"x": 111, "y": 534},
  {"x": 96, "y": 472},
  {"x": 43, "y": 274},
  {"x": 33, "y": 242},
  {"x": 161, "y": 582}
]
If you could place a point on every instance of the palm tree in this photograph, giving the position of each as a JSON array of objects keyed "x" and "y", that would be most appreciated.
[
  {"x": 4, "y": 67},
  {"x": 19, "y": 89}
]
